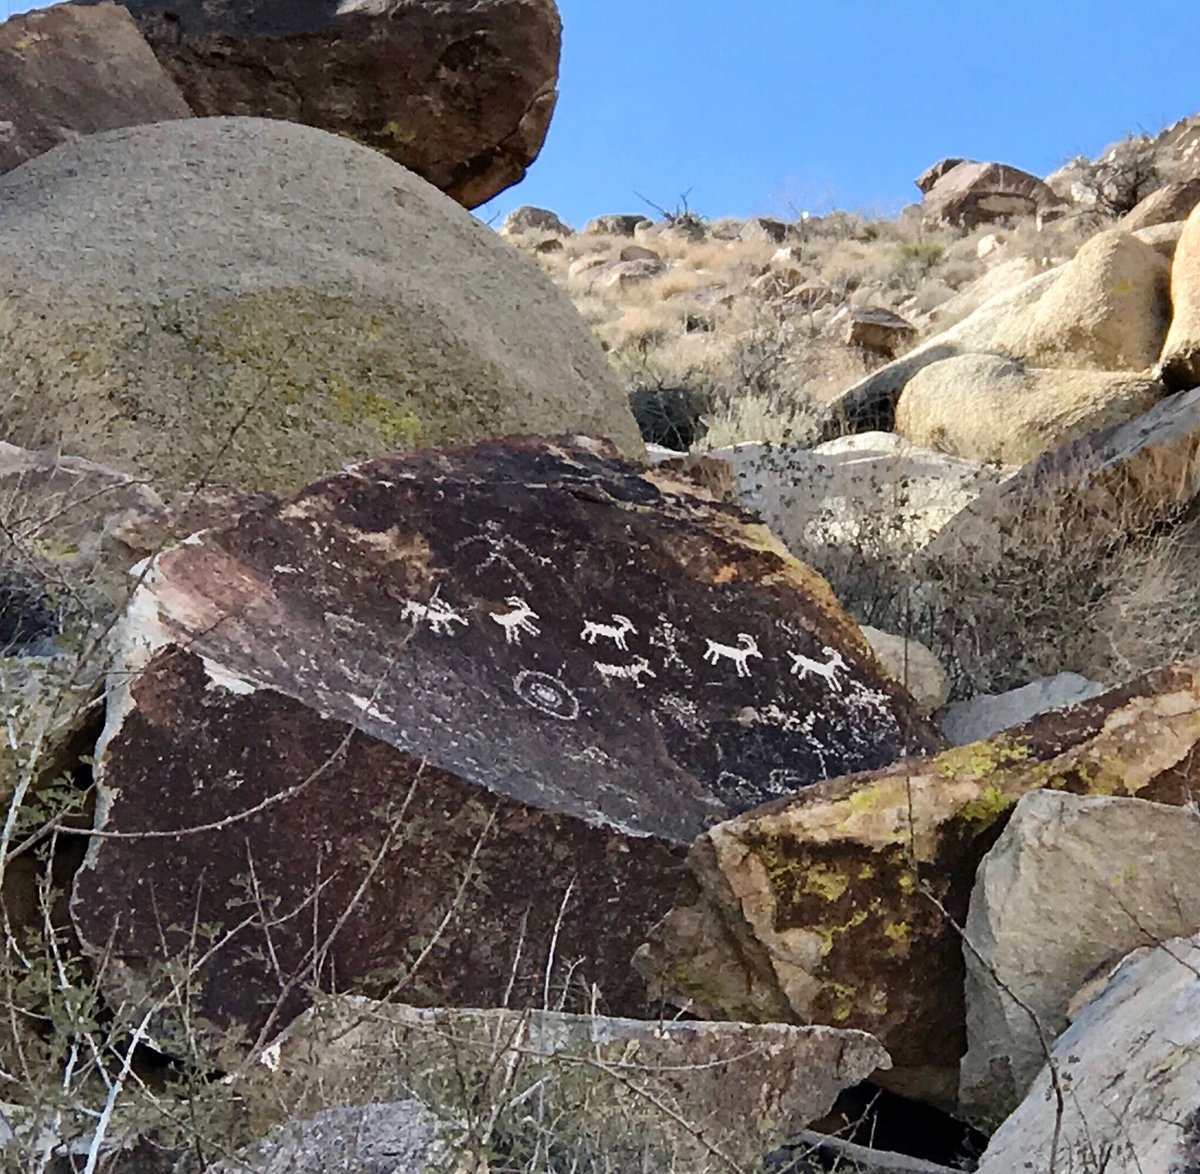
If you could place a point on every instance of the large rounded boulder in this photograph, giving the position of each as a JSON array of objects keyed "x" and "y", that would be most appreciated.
[
  {"x": 990, "y": 408},
  {"x": 260, "y": 302}
]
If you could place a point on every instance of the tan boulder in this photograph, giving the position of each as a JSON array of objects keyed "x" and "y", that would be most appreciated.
[
  {"x": 878, "y": 329},
  {"x": 997, "y": 279},
  {"x": 870, "y": 404},
  {"x": 623, "y": 274},
  {"x": 1174, "y": 201},
  {"x": 910, "y": 663},
  {"x": 1073, "y": 885},
  {"x": 527, "y": 218},
  {"x": 618, "y": 224},
  {"x": 1181, "y": 350},
  {"x": 838, "y": 905},
  {"x": 1162, "y": 238},
  {"x": 1108, "y": 310},
  {"x": 989, "y": 408}
]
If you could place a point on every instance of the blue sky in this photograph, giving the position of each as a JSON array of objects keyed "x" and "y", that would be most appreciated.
[
  {"x": 763, "y": 106},
  {"x": 776, "y": 106}
]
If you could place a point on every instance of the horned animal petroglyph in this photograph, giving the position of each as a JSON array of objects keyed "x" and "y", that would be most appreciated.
[{"x": 747, "y": 647}]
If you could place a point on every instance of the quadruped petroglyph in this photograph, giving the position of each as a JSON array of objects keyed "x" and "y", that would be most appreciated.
[
  {"x": 626, "y": 672},
  {"x": 618, "y": 631},
  {"x": 827, "y": 669},
  {"x": 747, "y": 647},
  {"x": 519, "y": 619}
]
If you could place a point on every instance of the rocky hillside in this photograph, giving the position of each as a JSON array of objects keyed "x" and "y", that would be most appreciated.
[
  {"x": 406, "y": 769},
  {"x": 727, "y": 330}
]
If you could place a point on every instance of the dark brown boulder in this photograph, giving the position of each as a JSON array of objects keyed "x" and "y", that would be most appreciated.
[
  {"x": 460, "y": 93},
  {"x": 443, "y": 703},
  {"x": 66, "y": 72}
]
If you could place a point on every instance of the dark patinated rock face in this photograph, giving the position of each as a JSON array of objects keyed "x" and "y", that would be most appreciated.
[
  {"x": 460, "y": 93},
  {"x": 524, "y": 664},
  {"x": 67, "y": 72}
]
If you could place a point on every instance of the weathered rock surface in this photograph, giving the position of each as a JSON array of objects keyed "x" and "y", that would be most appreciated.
[
  {"x": 625, "y": 1090},
  {"x": 462, "y": 94},
  {"x": 1110, "y": 482},
  {"x": 989, "y": 713},
  {"x": 530, "y": 219},
  {"x": 1132, "y": 1059},
  {"x": 764, "y": 228},
  {"x": 989, "y": 408},
  {"x": 66, "y": 72},
  {"x": 828, "y": 907},
  {"x": 931, "y": 175},
  {"x": 1073, "y": 885},
  {"x": 396, "y": 1138},
  {"x": 283, "y": 301},
  {"x": 1171, "y": 202},
  {"x": 619, "y": 224},
  {"x": 998, "y": 278},
  {"x": 970, "y": 194},
  {"x": 873, "y": 491},
  {"x": 1108, "y": 310},
  {"x": 870, "y": 404},
  {"x": 520, "y": 663},
  {"x": 878, "y": 329},
  {"x": 1181, "y": 350},
  {"x": 912, "y": 664}
]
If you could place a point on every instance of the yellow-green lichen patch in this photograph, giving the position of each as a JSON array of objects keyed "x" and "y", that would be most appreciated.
[
  {"x": 826, "y": 883},
  {"x": 992, "y": 802},
  {"x": 841, "y": 1001},
  {"x": 978, "y": 760}
]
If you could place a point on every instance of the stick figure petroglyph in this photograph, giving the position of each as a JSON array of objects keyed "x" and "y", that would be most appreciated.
[
  {"x": 519, "y": 620},
  {"x": 747, "y": 647},
  {"x": 617, "y": 631},
  {"x": 802, "y": 666},
  {"x": 626, "y": 672}
]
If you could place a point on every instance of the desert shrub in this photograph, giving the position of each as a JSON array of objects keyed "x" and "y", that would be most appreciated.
[{"x": 671, "y": 416}]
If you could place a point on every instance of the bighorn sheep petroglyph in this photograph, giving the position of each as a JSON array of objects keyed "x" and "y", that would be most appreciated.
[
  {"x": 519, "y": 620},
  {"x": 617, "y": 631},
  {"x": 747, "y": 647}
]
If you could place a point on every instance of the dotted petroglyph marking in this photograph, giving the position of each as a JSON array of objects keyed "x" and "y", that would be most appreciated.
[
  {"x": 519, "y": 619},
  {"x": 679, "y": 710},
  {"x": 747, "y": 647},
  {"x": 626, "y": 672},
  {"x": 667, "y": 637},
  {"x": 547, "y": 694},
  {"x": 618, "y": 631}
]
